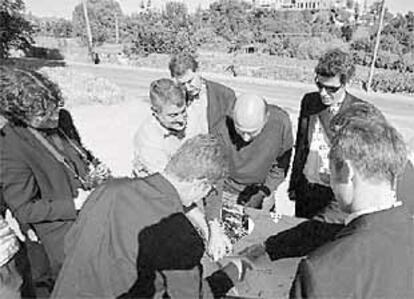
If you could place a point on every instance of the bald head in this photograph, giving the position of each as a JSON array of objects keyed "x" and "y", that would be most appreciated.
[{"x": 249, "y": 115}]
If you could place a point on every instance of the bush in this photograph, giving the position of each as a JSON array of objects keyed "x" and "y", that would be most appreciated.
[
  {"x": 312, "y": 48},
  {"x": 408, "y": 62},
  {"x": 386, "y": 60},
  {"x": 394, "y": 82}
]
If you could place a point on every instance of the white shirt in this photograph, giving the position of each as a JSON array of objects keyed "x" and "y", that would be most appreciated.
[
  {"x": 153, "y": 147},
  {"x": 316, "y": 168}
]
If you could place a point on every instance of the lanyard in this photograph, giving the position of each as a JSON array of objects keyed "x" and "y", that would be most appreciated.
[{"x": 58, "y": 156}]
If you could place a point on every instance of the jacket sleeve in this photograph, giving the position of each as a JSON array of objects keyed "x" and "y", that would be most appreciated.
[
  {"x": 22, "y": 194},
  {"x": 301, "y": 130},
  {"x": 280, "y": 167},
  {"x": 303, "y": 284},
  {"x": 301, "y": 239}
]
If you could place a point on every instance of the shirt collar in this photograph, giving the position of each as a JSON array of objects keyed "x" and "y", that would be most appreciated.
[
  {"x": 371, "y": 210},
  {"x": 165, "y": 132},
  {"x": 336, "y": 106}
]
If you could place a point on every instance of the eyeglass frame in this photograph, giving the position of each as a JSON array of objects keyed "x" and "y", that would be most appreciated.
[{"x": 329, "y": 89}]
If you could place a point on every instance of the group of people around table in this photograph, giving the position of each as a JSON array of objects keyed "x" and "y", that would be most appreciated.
[{"x": 69, "y": 229}]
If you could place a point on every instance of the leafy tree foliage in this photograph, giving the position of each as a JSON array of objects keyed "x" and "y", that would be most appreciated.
[
  {"x": 51, "y": 27},
  {"x": 15, "y": 30},
  {"x": 102, "y": 16},
  {"x": 169, "y": 31}
]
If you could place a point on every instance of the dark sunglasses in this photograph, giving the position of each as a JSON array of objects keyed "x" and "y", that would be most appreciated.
[{"x": 329, "y": 89}]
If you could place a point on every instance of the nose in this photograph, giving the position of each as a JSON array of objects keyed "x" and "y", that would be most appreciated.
[
  {"x": 246, "y": 137},
  {"x": 323, "y": 92}
]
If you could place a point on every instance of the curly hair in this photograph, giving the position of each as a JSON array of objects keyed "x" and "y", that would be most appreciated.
[
  {"x": 336, "y": 62},
  {"x": 359, "y": 110},
  {"x": 166, "y": 91},
  {"x": 374, "y": 148},
  {"x": 25, "y": 94},
  {"x": 200, "y": 157},
  {"x": 182, "y": 62}
]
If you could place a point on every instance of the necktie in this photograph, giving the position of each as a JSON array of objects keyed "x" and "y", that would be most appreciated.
[{"x": 179, "y": 134}]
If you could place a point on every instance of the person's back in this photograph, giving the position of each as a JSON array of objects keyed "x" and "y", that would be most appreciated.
[
  {"x": 372, "y": 257},
  {"x": 101, "y": 247}
]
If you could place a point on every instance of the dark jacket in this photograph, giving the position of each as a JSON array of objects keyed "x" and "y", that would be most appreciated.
[
  {"x": 220, "y": 101},
  {"x": 130, "y": 225},
  {"x": 311, "y": 106},
  {"x": 37, "y": 188},
  {"x": 372, "y": 257}
]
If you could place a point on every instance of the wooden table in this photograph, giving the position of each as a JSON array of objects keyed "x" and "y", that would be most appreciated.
[{"x": 268, "y": 279}]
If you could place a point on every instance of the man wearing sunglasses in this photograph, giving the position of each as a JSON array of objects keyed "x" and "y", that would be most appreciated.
[{"x": 310, "y": 179}]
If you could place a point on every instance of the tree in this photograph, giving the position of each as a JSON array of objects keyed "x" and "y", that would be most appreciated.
[
  {"x": 15, "y": 30},
  {"x": 102, "y": 17},
  {"x": 53, "y": 27}
]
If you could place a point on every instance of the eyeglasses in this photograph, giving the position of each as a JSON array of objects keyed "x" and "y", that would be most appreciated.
[{"x": 329, "y": 89}]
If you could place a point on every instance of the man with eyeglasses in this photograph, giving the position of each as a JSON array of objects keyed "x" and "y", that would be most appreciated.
[
  {"x": 310, "y": 179},
  {"x": 258, "y": 138}
]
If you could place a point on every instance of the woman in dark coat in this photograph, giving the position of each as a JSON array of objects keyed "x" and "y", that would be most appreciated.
[{"x": 45, "y": 171}]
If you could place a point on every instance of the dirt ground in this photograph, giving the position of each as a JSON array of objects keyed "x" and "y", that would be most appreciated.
[{"x": 108, "y": 132}]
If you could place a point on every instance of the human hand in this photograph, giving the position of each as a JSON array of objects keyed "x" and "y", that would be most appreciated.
[
  {"x": 256, "y": 200},
  {"x": 253, "y": 252},
  {"x": 236, "y": 268},
  {"x": 292, "y": 195},
  {"x": 81, "y": 199},
  {"x": 8, "y": 243},
  {"x": 218, "y": 244}
]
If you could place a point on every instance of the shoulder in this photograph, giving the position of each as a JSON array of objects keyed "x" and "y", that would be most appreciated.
[
  {"x": 354, "y": 99},
  {"x": 149, "y": 132},
  {"x": 219, "y": 88},
  {"x": 279, "y": 118},
  {"x": 311, "y": 97},
  {"x": 279, "y": 113},
  {"x": 345, "y": 250},
  {"x": 311, "y": 103}
]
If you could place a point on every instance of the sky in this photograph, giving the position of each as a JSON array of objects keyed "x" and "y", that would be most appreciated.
[{"x": 64, "y": 8}]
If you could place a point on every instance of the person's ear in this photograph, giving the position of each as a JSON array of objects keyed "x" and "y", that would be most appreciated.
[{"x": 267, "y": 117}]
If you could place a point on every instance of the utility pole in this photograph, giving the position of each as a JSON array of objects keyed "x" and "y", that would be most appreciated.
[
  {"x": 116, "y": 28},
  {"x": 377, "y": 42},
  {"x": 88, "y": 29}
]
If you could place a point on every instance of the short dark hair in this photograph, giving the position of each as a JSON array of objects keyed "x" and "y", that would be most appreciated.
[
  {"x": 200, "y": 157},
  {"x": 25, "y": 94},
  {"x": 375, "y": 149},
  {"x": 166, "y": 92},
  {"x": 359, "y": 110},
  {"x": 182, "y": 62},
  {"x": 336, "y": 62}
]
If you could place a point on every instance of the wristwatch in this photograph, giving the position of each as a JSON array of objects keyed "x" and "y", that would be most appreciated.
[{"x": 265, "y": 190}]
